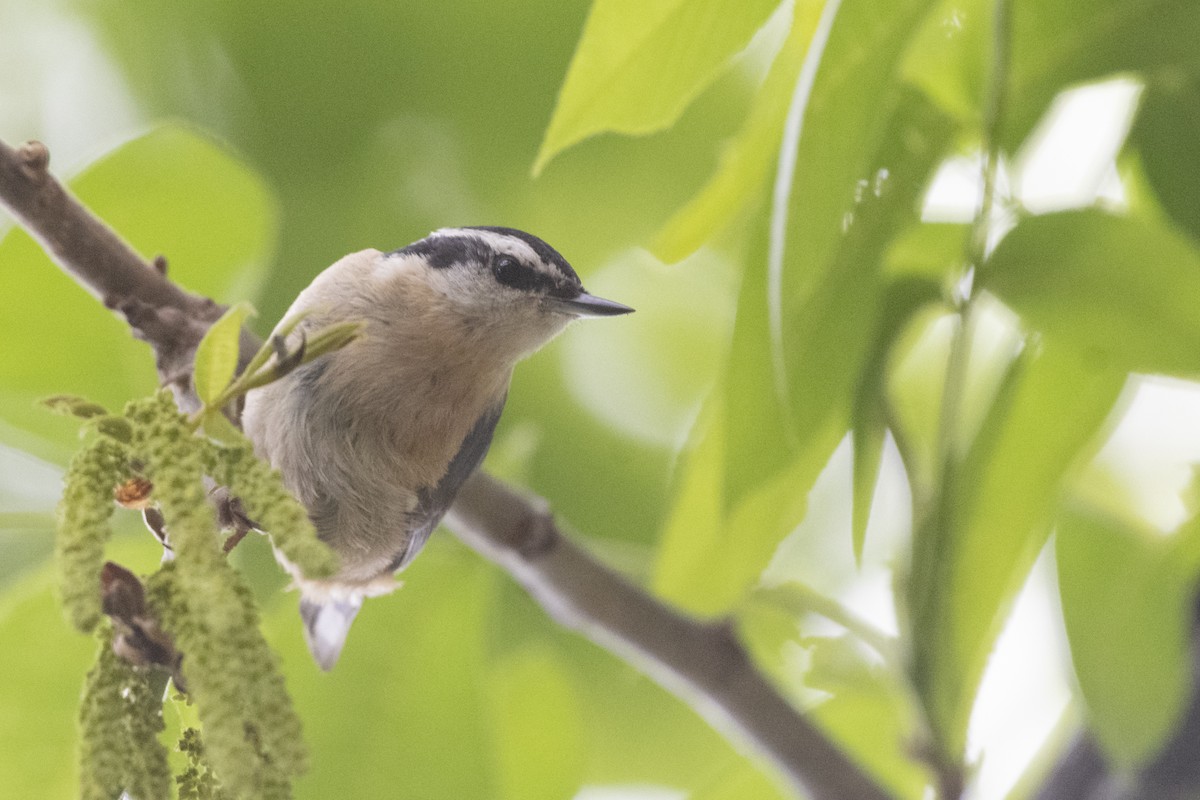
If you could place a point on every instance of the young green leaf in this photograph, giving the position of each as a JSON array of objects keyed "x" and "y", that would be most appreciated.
[
  {"x": 640, "y": 62},
  {"x": 217, "y": 354},
  {"x": 1126, "y": 601},
  {"x": 282, "y": 331},
  {"x": 217, "y": 426},
  {"x": 971, "y": 553}
]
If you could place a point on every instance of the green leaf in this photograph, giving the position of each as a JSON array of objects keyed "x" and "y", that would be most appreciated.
[
  {"x": 217, "y": 426},
  {"x": 1120, "y": 291},
  {"x": 534, "y": 710},
  {"x": 930, "y": 250},
  {"x": 868, "y": 713},
  {"x": 972, "y": 553},
  {"x": 746, "y": 162},
  {"x": 949, "y": 56},
  {"x": 1058, "y": 43},
  {"x": 39, "y": 691},
  {"x": 844, "y": 127},
  {"x": 902, "y": 300},
  {"x": 1127, "y": 605},
  {"x": 744, "y": 485},
  {"x": 830, "y": 332},
  {"x": 217, "y": 354},
  {"x": 170, "y": 191},
  {"x": 640, "y": 62},
  {"x": 1164, "y": 133}
]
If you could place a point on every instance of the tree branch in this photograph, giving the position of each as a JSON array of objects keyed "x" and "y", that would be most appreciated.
[
  {"x": 158, "y": 311},
  {"x": 702, "y": 663}
]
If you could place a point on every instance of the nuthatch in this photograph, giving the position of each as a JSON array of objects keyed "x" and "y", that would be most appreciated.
[{"x": 377, "y": 438}]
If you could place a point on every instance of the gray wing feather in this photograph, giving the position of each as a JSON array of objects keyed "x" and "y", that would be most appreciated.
[{"x": 432, "y": 504}]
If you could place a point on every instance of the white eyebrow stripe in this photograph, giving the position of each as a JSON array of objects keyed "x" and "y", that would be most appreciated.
[{"x": 504, "y": 243}]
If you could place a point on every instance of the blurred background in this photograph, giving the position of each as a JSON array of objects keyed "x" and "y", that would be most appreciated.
[
  {"x": 254, "y": 143},
  {"x": 345, "y": 126}
]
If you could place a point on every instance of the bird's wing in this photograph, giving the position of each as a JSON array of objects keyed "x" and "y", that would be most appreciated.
[{"x": 432, "y": 504}]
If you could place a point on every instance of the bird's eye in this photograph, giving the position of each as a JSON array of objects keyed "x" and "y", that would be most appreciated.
[{"x": 510, "y": 272}]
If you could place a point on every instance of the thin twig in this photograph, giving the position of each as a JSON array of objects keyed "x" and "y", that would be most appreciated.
[
  {"x": 702, "y": 663},
  {"x": 941, "y": 513}
]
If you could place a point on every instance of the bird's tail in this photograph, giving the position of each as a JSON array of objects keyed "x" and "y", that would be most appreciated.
[{"x": 326, "y": 623}]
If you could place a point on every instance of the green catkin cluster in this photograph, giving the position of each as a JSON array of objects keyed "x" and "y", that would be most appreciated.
[
  {"x": 252, "y": 737},
  {"x": 273, "y": 507},
  {"x": 83, "y": 526},
  {"x": 120, "y": 717},
  {"x": 252, "y": 734},
  {"x": 197, "y": 782}
]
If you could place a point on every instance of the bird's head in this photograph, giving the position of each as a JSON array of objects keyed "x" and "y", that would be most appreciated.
[{"x": 500, "y": 282}]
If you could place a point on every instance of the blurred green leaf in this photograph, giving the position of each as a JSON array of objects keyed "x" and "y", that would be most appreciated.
[
  {"x": 1164, "y": 133},
  {"x": 217, "y": 353},
  {"x": 972, "y": 551},
  {"x": 640, "y": 62},
  {"x": 948, "y": 56},
  {"x": 746, "y": 161},
  {"x": 534, "y": 710},
  {"x": 930, "y": 250},
  {"x": 855, "y": 92},
  {"x": 39, "y": 695},
  {"x": 740, "y": 782},
  {"x": 411, "y": 680},
  {"x": 170, "y": 191},
  {"x": 1127, "y": 604},
  {"x": 736, "y": 501},
  {"x": 902, "y": 299},
  {"x": 40, "y": 680},
  {"x": 1121, "y": 291},
  {"x": 868, "y": 712},
  {"x": 1058, "y": 43},
  {"x": 844, "y": 686},
  {"x": 861, "y": 163},
  {"x": 217, "y": 426}
]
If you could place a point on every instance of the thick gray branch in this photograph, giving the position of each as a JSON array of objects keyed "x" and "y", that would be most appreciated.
[
  {"x": 702, "y": 663},
  {"x": 170, "y": 319}
]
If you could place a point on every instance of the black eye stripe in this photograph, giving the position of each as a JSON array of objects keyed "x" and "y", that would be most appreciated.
[
  {"x": 443, "y": 252},
  {"x": 508, "y": 271},
  {"x": 449, "y": 250}
]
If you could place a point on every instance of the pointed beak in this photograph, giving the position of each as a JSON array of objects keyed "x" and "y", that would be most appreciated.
[{"x": 588, "y": 305}]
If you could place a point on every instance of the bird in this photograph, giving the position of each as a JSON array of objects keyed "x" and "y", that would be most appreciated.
[{"x": 375, "y": 439}]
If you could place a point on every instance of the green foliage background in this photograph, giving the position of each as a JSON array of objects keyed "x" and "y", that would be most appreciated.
[{"x": 254, "y": 143}]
